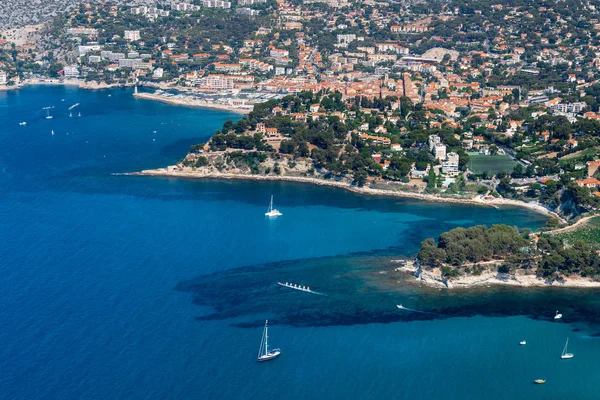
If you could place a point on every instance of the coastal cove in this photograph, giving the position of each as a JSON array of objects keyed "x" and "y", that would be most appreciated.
[
  {"x": 131, "y": 287},
  {"x": 177, "y": 172}
]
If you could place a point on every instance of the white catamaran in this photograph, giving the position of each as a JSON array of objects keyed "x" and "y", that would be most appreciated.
[
  {"x": 565, "y": 354},
  {"x": 273, "y": 212},
  {"x": 263, "y": 353}
]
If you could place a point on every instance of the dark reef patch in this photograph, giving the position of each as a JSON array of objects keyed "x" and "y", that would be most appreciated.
[{"x": 358, "y": 293}]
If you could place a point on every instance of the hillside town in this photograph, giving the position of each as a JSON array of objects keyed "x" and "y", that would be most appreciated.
[{"x": 478, "y": 98}]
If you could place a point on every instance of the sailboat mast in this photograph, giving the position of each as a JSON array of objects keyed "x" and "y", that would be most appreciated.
[{"x": 266, "y": 338}]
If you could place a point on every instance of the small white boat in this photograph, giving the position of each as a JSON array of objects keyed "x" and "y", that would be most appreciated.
[
  {"x": 52, "y": 132},
  {"x": 272, "y": 213},
  {"x": 22, "y": 123},
  {"x": 48, "y": 116},
  {"x": 565, "y": 354},
  {"x": 522, "y": 342},
  {"x": 264, "y": 354},
  {"x": 70, "y": 115},
  {"x": 558, "y": 315},
  {"x": 400, "y": 306},
  {"x": 79, "y": 115}
]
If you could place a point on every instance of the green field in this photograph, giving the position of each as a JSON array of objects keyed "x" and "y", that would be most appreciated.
[
  {"x": 492, "y": 164},
  {"x": 589, "y": 233}
]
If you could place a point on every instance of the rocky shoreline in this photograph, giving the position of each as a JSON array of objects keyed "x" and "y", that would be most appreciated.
[
  {"x": 433, "y": 278},
  {"x": 191, "y": 173}
]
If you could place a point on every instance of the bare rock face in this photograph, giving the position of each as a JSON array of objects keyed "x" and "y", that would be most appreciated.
[{"x": 17, "y": 13}]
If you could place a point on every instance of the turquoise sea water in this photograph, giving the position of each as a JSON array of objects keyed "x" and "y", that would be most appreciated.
[{"x": 141, "y": 288}]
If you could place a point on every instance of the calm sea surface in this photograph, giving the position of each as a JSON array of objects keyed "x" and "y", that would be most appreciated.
[{"x": 117, "y": 287}]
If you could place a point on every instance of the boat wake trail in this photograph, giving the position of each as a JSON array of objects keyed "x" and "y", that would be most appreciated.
[{"x": 401, "y": 307}]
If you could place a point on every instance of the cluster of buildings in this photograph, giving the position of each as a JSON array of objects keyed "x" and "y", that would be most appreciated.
[
  {"x": 484, "y": 88},
  {"x": 449, "y": 161}
]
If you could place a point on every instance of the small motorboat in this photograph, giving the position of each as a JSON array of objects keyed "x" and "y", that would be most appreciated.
[
  {"x": 558, "y": 315},
  {"x": 539, "y": 381},
  {"x": 400, "y": 306},
  {"x": 523, "y": 342},
  {"x": 22, "y": 123}
]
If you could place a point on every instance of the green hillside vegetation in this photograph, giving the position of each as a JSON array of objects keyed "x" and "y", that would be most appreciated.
[
  {"x": 588, "y": 233},
  {"x": 458, "y": 251}
]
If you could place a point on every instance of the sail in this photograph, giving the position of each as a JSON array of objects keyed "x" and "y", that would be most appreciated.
[{"x": 263, "y": 349}]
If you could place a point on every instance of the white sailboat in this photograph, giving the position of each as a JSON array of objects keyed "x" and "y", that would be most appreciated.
[
  {"x": 566, "y": 354},
  {"x": 558, "y": 315},
  {"x": 48, "y": 116},
  {"x": 263, "y": 352},
  {"x": 273, "y": 212}
]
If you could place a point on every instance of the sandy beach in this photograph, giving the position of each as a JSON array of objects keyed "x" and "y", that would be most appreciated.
[
  {"x": 193, "y": 102},
  {"x": 173, "y": 171}
]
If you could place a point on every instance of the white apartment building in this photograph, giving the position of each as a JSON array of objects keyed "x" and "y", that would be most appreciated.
[
  {"x": 131, "y": 35},
  {"x": 450, "y": 165},
  {"x": 83, "y": 31},
  {"x": 250, "y": 2},
  {"x": 158, "y": 73},
  {"x": 83, "y": 50},
  {"x": 216, "y": 82},
  {"x": 129, "y": 62},
  {"x": 71, "y": 71},
  {"x": 433, "y": 140},
  {"x": 439, "y": 151}
]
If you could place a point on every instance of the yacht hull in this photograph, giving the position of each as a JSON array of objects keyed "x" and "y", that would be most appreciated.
[{"x": 269, "y": 357}]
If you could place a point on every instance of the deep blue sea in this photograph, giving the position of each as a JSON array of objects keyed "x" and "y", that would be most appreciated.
[{"x": 122, "y": 287}]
